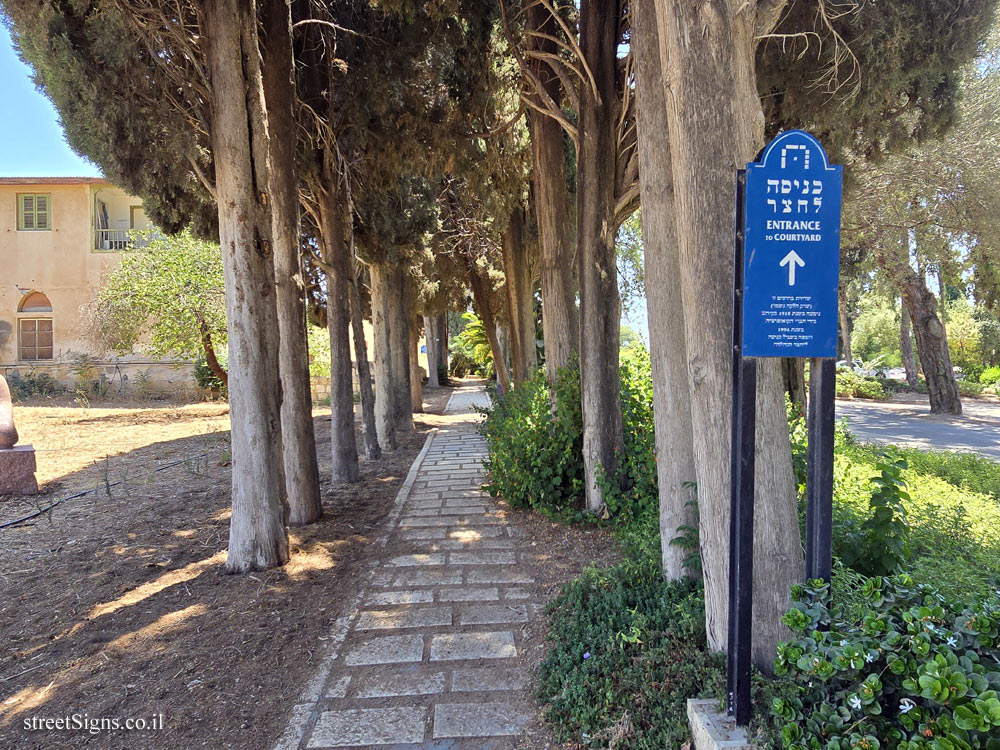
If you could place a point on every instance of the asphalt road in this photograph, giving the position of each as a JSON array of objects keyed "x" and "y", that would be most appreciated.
[{"x": 910, "y": 423}]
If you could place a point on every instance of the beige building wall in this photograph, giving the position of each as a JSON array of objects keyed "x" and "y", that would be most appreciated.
[{"x": 67, "y": 263}]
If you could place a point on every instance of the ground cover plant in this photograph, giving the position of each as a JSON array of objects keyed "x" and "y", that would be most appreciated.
[{"x": 628, "y": 649}]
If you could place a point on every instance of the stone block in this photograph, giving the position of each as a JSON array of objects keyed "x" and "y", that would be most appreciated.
[
  {"x": 17, "y": 471},
  {"x": 386, "y": 619},
  {"x": 494, "y": 614},
  {"x": 711, "y": 729},
  {"x": 487, "y": 679},
  {"x": 369, "y": 726},
  {"x": 478, "y": 720},
  {"x": 388, "y": 685},
  {"x": 390, "y": 649},
  {"x": 457, "y": 646}
]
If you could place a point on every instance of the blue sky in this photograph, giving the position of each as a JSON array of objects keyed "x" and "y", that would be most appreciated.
[{"x": 31, "y": 138}]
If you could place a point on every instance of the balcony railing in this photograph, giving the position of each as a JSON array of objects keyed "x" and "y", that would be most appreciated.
[{"x": 116, "y": 240}]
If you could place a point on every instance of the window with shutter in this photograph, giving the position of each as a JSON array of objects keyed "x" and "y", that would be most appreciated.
[
  {"x": 35, "y": 338},
  {"x": 34, "y": 212}
]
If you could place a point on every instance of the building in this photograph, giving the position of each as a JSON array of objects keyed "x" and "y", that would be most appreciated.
[{"x": 59, "y": 236}]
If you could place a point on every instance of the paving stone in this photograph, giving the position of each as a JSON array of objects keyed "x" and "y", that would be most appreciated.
[
  {"x": 424, "y": 521},
  {"x": 382, "y": 578},
  {"x": 420, "y": 577},
  {"x": 493, "y": 614},
  {"x": 385, "y": 598},
  {"x": 454, "y": 646},
  {"x": 338, "y": 686},
  {"x": 487, "y": 679},
  {"x": 440, "y": 545},
  {"x": 382, "y": 685},
  {"x": 423, "y": 504},
  {"x": 490, "y": 594},
  {"x": 423, "y": 534},
  {"x": 461, "y": 510},
  {"x": 422, "y": 512},
  {"x": 478, "y": 720},
  {"x": 407, "y": 561},
  {"x": 390, "y": 649},
  {"x": 493, "y": 575},
  {"x": 469, "y": 534},
  {"x": 369, "y": 726},
  {"x": 481, "y": 558},
  {"x": 391, "y": 619},
  {"x": 516, "y": 592}
]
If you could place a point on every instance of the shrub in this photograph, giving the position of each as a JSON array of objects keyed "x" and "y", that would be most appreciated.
[
  {"x": 880, "y": 546},
  {"x": 969, "y": 389},
  {"x": 990, "y": 376},
  {"x": 207, "y": 379},
  {"x": 31, "y": 385},
  {"x": 627, "y": 651},
  {"x": 852, "y": 385},
  {"x": 911, "y": 672},
  {"x": 535, "y": 457}
]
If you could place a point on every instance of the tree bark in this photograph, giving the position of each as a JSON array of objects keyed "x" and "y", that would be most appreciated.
[
  {"x": 433, "y": 342},
  {"x": 906, "y": 347},
  {"x": 708, "y": 52},
  {"x": 298, "y": 438},
  {"x": 369, "y": 433},
  {"x": 845, "y": 325},
  {"x": 400, "y": 332},
  {"x": 519, "y": 290},
  {"x": 481, "y": 298},
  {"x": 343, "y": 445},
  {"x": 675, "y": 468},
  {"x": 932, "y": 342},
  {"x": 392, "y": 369},
  {"x": 793, "y": 370},
  {"x": 258, "y": 539},
  {"x": 600, "y": 310},
  {"x": 443, "y": 349},
  {"x": 416, "y": 386},
  {"x": 210, "y": 358},
  {"x": 560, "y": 322}
]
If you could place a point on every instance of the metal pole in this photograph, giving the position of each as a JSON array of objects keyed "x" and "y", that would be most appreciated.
[
  {"x": 741, "y": 491},
  {"x": 819, "y": 462}
]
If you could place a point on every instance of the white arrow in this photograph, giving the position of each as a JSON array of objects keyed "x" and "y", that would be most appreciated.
[{"x": 791, "y": 260}]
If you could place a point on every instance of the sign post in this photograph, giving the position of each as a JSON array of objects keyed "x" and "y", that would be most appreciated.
[{"x": 784, "y": 305}]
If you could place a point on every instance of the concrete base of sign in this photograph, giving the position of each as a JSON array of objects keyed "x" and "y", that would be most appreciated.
[
  {"x": 17, "y": 471},
  {"x": 711, "y": 729}
]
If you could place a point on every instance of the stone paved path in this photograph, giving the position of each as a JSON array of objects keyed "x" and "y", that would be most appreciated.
[{"x": 427, "y": 656}]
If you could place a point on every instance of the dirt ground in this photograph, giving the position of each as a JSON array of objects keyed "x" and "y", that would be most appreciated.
[{"x": 115, "y": 605}]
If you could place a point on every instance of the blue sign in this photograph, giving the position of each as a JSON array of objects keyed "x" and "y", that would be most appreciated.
[{"x": 791, "y": 256}]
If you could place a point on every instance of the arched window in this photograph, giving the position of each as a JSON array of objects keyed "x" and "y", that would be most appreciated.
[
  {"x": 34, "y": 333},
  {"x": 35, "y": 302}
]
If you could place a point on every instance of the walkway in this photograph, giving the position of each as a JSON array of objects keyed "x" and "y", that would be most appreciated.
[
  {"x": 911, "y": 424},
  {"x": 427, "y": 656}
]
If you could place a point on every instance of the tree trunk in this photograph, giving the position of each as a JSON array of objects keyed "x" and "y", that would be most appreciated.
[
  {"x": 210, "y": 358},
  {"x": 369, "y": 434},
  {"x": 712, "y": 91},
  {"x": 519, "y": 288},
  {"x": 343, "y": 445},
  {"x": 433, "y": 342},
  {"x": 400, "y": 332},
  {"x": 443, "y": 348},
  {"x": 932, "y": 345},
  {"x": 298, "y": 438},
  {"x": 258, "y": 539},
  {"x": 560, "y": 323},
  {"x": 845, "y": 325},
  {"x": 675, "y": 470},
  {"x": 906, "y": 347},
  {"x": 481, "y": 298},
  {"x": 416, "y": 386},
  {"x": 793, "y": 370},
  {"x": 392, "y": 369},
  {"x": 600, "y": 311}
]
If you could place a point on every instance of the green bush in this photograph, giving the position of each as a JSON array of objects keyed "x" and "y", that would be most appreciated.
[
  {"x": 969, "y": 389},
  {"x": 911, "y": 672},
  {"x": 627, "y": 651},
  {"x": 31, "y": 385},
  {"x": 990, "y": 376},
  {"x": 879, "y": 546},
  {"x": 535, "y": 457},
  {"x": 852, "y": 385},
  {"x": 207, "y": 379}
]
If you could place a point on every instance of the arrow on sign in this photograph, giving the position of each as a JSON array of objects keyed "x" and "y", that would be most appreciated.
[{"x": 791, "y": 260}]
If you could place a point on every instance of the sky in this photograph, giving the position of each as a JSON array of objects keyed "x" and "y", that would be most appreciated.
[{"x": 31, "y": 139}]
